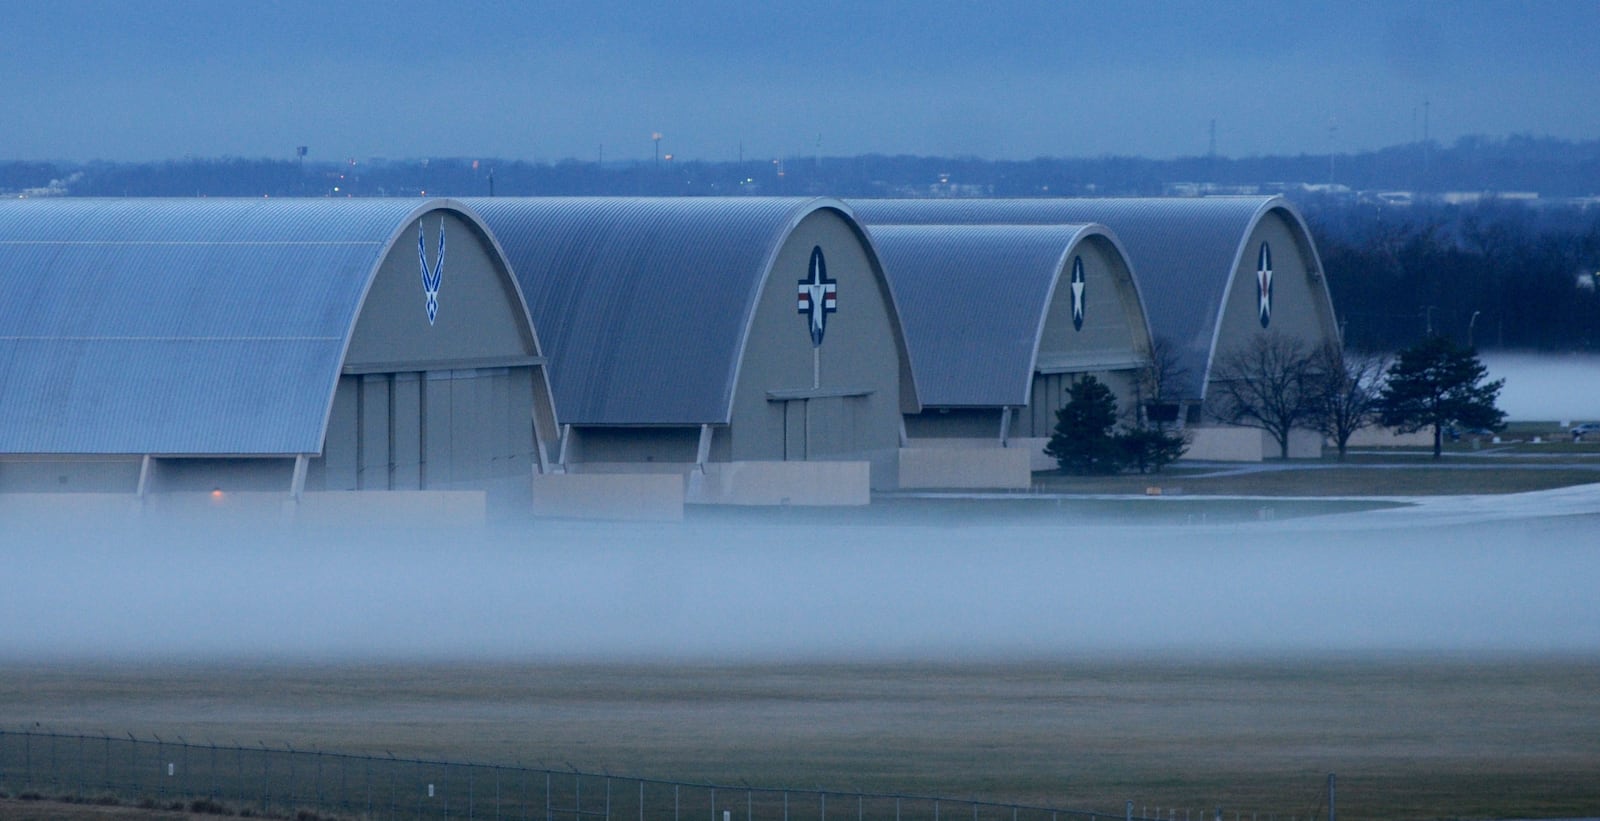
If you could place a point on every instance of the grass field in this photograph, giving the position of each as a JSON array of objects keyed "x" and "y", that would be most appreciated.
[{"x": 1417, "y": 738}]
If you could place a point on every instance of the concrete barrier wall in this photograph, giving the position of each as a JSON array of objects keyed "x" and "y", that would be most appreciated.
[
  {"x": 81, "y": 508},
  {"x": 783, "y": 483},
  {"x": 1035, "y": 447},
  {"x": 1381, "y": 437},
  {"x": 1225, "y": 444},
  {"x": 1303, "y": 444},
  {"x": 1240, "y": 444},
  {"x": 390, "y": 508},
  {"x": 656, "y": 497},
  {"x": 393, "y": 508},
  {"x": 991, "y": 468}
]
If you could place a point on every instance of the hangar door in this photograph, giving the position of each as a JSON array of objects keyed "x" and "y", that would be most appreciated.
[
  {"x": 821, "y": 426},
  {"x": 430, "y": 430}
]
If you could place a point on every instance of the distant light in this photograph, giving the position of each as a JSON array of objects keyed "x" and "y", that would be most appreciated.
[
  {"x": 216, "y": 494},
  {"x": 667, "y": 157},
  {"x": 336, "y": 189}
]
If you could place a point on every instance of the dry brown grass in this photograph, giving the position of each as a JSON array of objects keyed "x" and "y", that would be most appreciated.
[{"x": 1425, "y": 738}]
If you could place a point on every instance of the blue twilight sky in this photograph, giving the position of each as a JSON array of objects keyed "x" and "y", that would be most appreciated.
[{"x": 158, "y": 79}]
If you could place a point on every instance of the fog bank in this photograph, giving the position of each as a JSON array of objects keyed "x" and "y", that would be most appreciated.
[{"x": 1489, "y": 576}]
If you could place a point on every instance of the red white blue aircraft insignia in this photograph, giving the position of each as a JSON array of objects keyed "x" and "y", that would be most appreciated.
[{"x": 818, "y": 296}]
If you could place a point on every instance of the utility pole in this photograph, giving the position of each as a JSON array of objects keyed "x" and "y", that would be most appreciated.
[{"x": 1333, "y": 815}]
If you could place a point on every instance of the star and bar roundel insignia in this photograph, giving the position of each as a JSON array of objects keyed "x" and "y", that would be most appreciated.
[
  {"x": 431, "y": 275},
  {"x": 1264, "y": 284},
  {"x": 818, "y": 296},
  {"x": 1077, "y": 293}
]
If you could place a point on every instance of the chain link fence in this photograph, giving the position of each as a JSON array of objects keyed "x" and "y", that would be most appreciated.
[{"x": 282, "y": 782}]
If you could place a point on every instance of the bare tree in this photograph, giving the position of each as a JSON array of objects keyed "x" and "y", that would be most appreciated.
[
  {"x": 1266, "y": 383},
  {"x": 1346, "y": 389},
  {"x": 1158, "y": 381}
]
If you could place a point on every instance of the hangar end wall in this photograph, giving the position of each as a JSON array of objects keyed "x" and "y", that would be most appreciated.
[
  {"x": 794, "y": 401},
  {"x": 442, "y": 398}
]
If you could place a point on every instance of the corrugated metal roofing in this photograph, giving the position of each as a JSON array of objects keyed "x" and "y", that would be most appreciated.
[
  {"x": 643, "y": 305},
  {"x": 1183, "y": 251},
  {"x": 181, "y": 326},
  {"x": 973, "y": 301}
]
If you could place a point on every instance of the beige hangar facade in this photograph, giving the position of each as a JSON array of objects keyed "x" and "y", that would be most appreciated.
[
  {"x": 1000, "y": 320},
  {"x": 750, "y": 346},
  {"x": 1213, "y": 272},
  {"x": 157, "y": 347}
]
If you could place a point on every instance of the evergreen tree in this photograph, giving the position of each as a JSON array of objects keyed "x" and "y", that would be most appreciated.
[
  {"x": 1083, "y": 442},
  {"x": 1437, "y": 383},
  {"x": 1151, "y": 448}
]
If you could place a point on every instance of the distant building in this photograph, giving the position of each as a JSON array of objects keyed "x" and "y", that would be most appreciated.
[
  {"x": 279, "y": 346},
  {"x": 750, "y": 345}
]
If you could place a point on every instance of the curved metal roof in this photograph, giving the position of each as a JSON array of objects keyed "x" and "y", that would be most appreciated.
[
  {"x": 973, "y": 300},
  {"x": 182, "y": 327},
  {"x": 1184, "y": 251},
  {"x": 644, "y": 304}
]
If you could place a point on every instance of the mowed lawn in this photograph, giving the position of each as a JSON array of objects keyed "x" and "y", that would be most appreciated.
[{"x": 1412, "y": 738}]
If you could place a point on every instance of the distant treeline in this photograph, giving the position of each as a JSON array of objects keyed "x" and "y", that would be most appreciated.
[
  {"x": 1553, "y": 168},
  {"x": 1396, "y": 271},
  {"x": 1528, "y": 274}
]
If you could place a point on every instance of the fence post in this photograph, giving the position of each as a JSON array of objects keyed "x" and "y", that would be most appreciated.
[{"x": 266, "y": 779}]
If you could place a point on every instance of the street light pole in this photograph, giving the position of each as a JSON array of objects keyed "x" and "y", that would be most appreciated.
[{"x": 1471, "y": 323}]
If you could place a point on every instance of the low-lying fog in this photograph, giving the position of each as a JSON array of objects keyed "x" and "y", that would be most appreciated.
[
  {"x": 1497, "y": 576},
  {"x": 1547, "y": 387}
]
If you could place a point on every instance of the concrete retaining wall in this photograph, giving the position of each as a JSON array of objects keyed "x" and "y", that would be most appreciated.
[
  {"x": 1381, "y": 437},
  {"x": 992, "y": 468},
  {"x": 1239, "y": 444},
  {"x": 657, "y": 497},
  {"x": 782, "y": 483},
  {"x": 390, "y": 508}
]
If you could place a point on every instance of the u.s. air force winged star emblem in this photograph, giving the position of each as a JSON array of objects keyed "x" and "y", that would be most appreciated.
[
  {"x": 1077, "y": 293},
  {"x": 431, "y": 275},
  {"x": 818, "y": 296},
  {"x": 1264, "y": 284}
]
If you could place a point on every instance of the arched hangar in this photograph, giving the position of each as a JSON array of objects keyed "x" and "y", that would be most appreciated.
[
  {"x": 263, "y": 345},
  {"x": 1214, "y": 272},
  {"x": 712, "y": 337},
  {"x": 1001, "y": 319}
]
